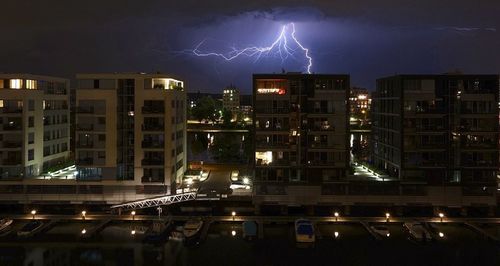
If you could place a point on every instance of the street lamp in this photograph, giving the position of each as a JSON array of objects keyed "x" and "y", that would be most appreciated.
[
  {"x": 133, "y": 215},
  {"x": 387, "y": 216},
  {"x": 441, "y": 216},
  {"x": 233, "y": 214},
  {"x": 83, "y": 214},
  {"x": 336, "y": 214},
  {"x": 33, "y": 212}
]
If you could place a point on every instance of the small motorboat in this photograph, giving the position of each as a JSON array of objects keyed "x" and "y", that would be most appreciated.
[
  {"x": 249, "y": 230},
  {"x": 30, "y": 228},
  {"x": 4, "y": 224},
  {"x": 158, "y": 231},
  {"x": 192, "y": 228},
  {"x": 304, "y": 231}
]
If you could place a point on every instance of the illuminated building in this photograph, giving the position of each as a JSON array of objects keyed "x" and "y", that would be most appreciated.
[
  {"x": 301, "y": 135},
  {"x": 231, "y": 99},
  {"x": 359, "y": 103},
  {"x": 131, "y": 127},
  {"x": 34, "y": 125},
  {"x": 439, "y": 130}
]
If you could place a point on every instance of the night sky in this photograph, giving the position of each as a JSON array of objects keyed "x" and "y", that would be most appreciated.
[{"x": 367, "y": 39}]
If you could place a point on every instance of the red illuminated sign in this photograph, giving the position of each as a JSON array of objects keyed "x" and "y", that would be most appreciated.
[{"x": 271, "y": 91}]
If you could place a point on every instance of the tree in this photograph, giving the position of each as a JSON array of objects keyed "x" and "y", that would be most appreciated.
[
  {"x": 205, "y": 109},
  {"x": 227, "y": 116}
]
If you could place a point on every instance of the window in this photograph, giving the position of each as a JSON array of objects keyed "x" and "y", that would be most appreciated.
[
  {"x": 64, "y": 147},
  {"x": 101, "y": 154},
  {"x": 102, "y": 137},
  {"x": 31, "y": 121},
  {"x": 16, "y": 83},
  {"x": 101, "y": 120},
  {"x": 31, "y": 105},
  {"x": 31, "y": 154},
  {"x": 31, "y": 84},
  {"x": 31, "y": 138}
]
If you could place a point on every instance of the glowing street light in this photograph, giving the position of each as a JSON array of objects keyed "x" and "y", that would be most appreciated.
[
  {"x": 133, "y": 215},
  {"x": 388, "y": 234},
  {"x": 83, "y": 214},
  {"x": 33, "y": 212},
  {"x": 441, "y": 216},
  {"x": 233, "y": 214},
  {"x": 387, "y": 216},
  {"x": 336, "y": 214}
]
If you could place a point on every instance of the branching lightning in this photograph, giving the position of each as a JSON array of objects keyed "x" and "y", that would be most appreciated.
[{"x": 279, "y": 48}]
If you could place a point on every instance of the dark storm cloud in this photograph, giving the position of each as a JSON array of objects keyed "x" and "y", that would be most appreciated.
[{"x": 366, "y": 38}]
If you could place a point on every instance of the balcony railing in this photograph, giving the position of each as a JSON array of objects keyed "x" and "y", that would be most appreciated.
[
  {"x": 153, "y": 144},
  {"x": 153, "y": 109},
  {"x": 12, "y": 144},
  {"x": 12, "y": 127},
  {"x": 153, "y": 127},
  {"x": 11, "y": 110},
  {"x": 152, "y": 161}
]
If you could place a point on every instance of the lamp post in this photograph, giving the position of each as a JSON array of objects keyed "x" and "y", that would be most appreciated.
[
  {"x": 33, "y": 213},
  {"x": 441, "y": 216},
  {"x": 133, "y": 215},
  {"x": 336, "y": 214},
  {"x": 83, "y": 214},
  {"x": 233, "y": 214},
  {"x": 387, "y": 216}
]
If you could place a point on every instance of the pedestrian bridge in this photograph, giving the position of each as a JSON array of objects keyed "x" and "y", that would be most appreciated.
[{"x": 156, "y": 201}]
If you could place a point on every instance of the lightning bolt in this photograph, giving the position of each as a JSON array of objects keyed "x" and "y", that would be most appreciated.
[{"x": 279, "y": 48}]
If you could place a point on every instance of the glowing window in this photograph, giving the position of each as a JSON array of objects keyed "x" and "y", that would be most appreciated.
[
  {"x": 16, "y": 83},
  {"x": 1, "y": 103},
  {"x": 31, "y": 84},
  {"x": 264, "y": 157}
]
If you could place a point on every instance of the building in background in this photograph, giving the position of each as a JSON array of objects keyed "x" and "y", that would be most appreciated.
[
  {"x": 131, "y": 127},
  {"x": 231, "y": 99},
  {"x": 301, "y": 136},
  {"x": 439, "y": 130},
  {"x": 360, "y": 124},
  {"x": 34, "y": 125}
]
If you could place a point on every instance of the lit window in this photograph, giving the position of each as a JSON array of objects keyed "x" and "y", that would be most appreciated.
[
  {"x": 31, "y": 84},
  {"x": 264, "y": 157},
  {"x": 16, "y": 83},
  {"x": 1, "y": 103}
]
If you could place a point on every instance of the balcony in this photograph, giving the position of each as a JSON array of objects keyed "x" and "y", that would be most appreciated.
[
  {"x": 153, "y": 145},
  {"x": 153, "y": 161},
  {"x": 85, "y": 127},
  {"x": 12, "y": 127},
  {"x": 12, "y": 161},
  {"x": 85, "y": 161},
  {"x": 153, "y": 127},
  {"x": 12, "y": 144},
  {"x": 85, "y": 109},
  {"x": 11, "y": 110},
  {"x": 85, "y": 145},
  {"x": 153, "y": 109}
]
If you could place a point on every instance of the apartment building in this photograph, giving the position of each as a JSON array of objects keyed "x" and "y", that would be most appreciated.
[
  {"x": 34, "y": 125},
  {"x": 301, "y": 135},
  {"x": 439, "y": 130},
  {"x": 231, "y": 98},
  {"x": 131, "y": 127}
]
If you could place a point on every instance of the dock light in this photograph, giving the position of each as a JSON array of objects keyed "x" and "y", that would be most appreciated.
[
  {"x": 336, "y": 214},
  {"x": 233, "y": 233},
  {"x": 233, "y": 214},
  {"x": 84, "y": 231},
  {"x": 388, "y": 234},
  {"x": 246, "y": 180},
  {"x": 33, "y": 212},
  {"x": 336, "y": 234},
  {"x": 132, "y": 232},
  {"x": 441, "y": 235},
  {"x": 441, "y": 216},
  {"x": 133, "y": 215},
  {"x": 387, "y": 216},
  {"x": 83, "y": 214}
]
